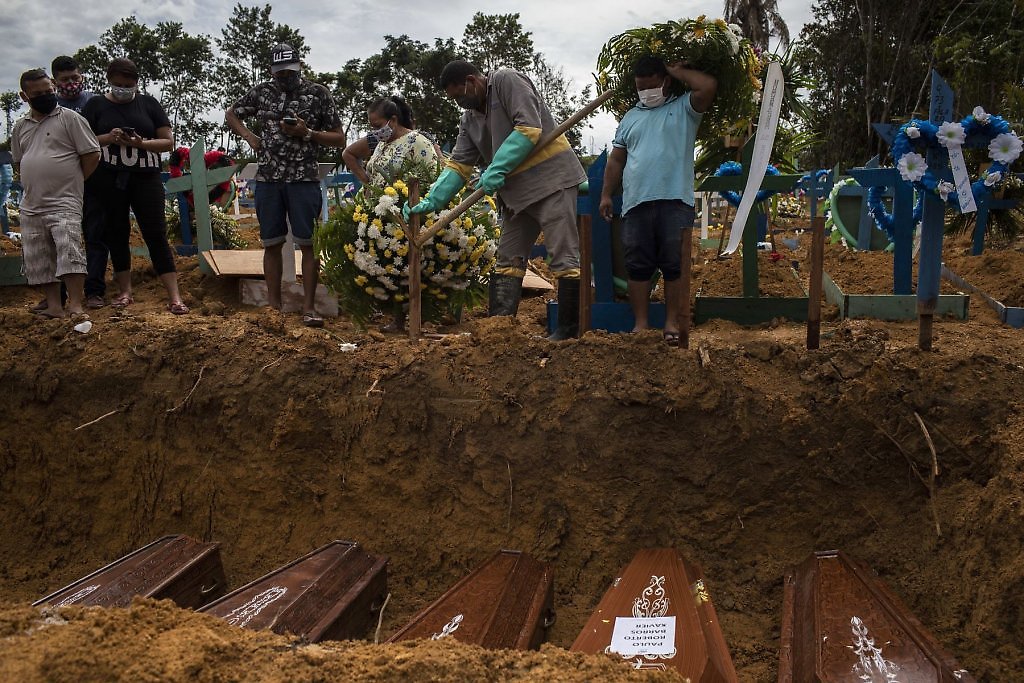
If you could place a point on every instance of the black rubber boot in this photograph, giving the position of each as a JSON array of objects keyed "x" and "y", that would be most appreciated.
[
  {"x": 505, "y": 293},
  {"x": 568, "y": 310}
]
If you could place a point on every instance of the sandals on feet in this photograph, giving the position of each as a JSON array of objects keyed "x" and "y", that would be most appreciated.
[
  {"x": 94, "y": 302},
  {"x": 312, "y": 320},
  {"x": 122, "y": 300},
  {"x": 177, "y": 308},
  {"x": 40, "y": 307}
]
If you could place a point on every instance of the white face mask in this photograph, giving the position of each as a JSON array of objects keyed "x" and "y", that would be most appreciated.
[{"x": 654, "y": 97}]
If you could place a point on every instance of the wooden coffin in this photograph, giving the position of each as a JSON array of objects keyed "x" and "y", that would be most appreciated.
[
  {"x": 333, "y": 593},
  {"x": 658, "y": 615},
  {"x": 175, "y": 568},
  {"x": 841, "y": 623},
  {"x": 505, "y": 603}
]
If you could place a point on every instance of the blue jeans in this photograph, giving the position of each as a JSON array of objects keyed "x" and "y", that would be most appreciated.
[
  {"x": 651, "y": 236},
  {"x": 6, "y": 180}
]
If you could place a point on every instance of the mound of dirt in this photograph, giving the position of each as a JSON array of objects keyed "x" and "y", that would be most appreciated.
[{"x": 243, "y": 427}]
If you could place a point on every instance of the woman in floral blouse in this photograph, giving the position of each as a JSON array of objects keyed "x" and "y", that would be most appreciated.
[{"x": 397, "y": 143}]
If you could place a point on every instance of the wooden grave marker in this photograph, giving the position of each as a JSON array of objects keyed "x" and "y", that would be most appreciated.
[
  {"x": 199, "y": 180},
  {"x": 505, "y": 603},
  {"x": 841, "y": 623},
  {"x": 176, "y": 568},
  {"x": 332, "y": 593},
  {"x": 658, "y": 615},
  {"x": 817, "y": 185}
]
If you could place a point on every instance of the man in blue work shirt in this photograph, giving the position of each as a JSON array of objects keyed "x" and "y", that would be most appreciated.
[{"x": 652, "y": 158}]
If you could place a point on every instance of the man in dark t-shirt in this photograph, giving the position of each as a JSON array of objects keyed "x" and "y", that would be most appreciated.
[{"x": 295, "y": 117}]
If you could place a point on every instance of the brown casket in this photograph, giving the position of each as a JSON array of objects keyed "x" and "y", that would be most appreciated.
[
  {"x": 177, "y": 568},
  {"x": 333, "y": 593},
  {"x": 658, "y": 615},
  {"x": 840, "y": 622},
  {"x": 504, "y": 603}
]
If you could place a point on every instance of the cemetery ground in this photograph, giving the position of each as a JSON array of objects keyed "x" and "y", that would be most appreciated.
[{"x": 745, "y": 452}]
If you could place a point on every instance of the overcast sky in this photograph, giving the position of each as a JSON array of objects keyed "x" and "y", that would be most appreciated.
[{"x": 569, "y": 34}]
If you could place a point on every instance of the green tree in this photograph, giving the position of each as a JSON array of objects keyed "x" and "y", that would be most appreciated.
[
  {"x": 186, "y": 90},
  {"x": 245, "y": 45},
  {"x": 759, "y": 20},
  {"x": 556, "y": 90},
  {"x": 10, "y": 102},
  {"x": 490, "y": 41}
]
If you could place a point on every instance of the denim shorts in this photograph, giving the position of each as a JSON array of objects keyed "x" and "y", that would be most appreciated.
[
  {"x": 651, "y": 236},
  {"x": 277, "y": 204}
]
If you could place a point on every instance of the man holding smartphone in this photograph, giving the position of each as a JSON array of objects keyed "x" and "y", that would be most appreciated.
[{"x": 294, "y": 118}]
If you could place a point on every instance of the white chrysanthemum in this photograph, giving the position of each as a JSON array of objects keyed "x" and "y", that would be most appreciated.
[
  {"x": 913, "y": 132},
  {"x": 399, "y": 262},
  {"x": 463, "y": 241},
  {"x": 992, "y": 179},
  {"x": 385, "y": 204},
  {"x": 387, "y": 282},
  {"x": 380, "y": 293},
  {"x": 360, "y": 243},
  {"x": 944, "y": 189},
  {"x": 1006, "y": 147},
  {"x": 361, "y": 229},
  {"x": 912, "y": 167},
  {"x": 951, "y": 133},
  {"x": 372, "y": 231},
  {"x": 981, "y": 116}
]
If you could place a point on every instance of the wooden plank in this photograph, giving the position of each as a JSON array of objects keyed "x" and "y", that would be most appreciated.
[
  {"x": 658, "y": 614},
  {"x": 243, "y": 262},
  {"x": 332, "y": 593},
  {"x": 505, "y": 603},
  {"x": 176, "y": 568},
  {"x": 890, "y": 306},
  {"x": 842, "y": 623}
]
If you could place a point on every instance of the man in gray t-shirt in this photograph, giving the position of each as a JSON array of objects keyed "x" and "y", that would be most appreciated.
[{"x": 56, "y": 150}]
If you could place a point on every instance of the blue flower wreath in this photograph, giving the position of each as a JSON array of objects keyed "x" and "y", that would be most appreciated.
[
  {"x": 883, "y": 219},
  {"x": 989, "y": 125},
  {"x": 733, "y": 168}
]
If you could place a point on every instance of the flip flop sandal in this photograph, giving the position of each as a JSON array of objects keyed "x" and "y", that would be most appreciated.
[
  {"x": 177, "y": 308},
  {"x": 40, "y": 307},
  {"x": 312, "y": 320},
  {"x": 122, "y": 300},
  {"x": 46, "y": 315}
]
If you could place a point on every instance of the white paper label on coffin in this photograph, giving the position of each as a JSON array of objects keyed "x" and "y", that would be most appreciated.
[{"x": 644, "y": 636}]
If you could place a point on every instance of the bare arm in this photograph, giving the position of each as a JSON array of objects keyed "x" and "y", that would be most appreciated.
[
  {"x": 353, "y": 156},
  {"x": 612, "y": 180},
  {"x": 163, "y": 142},
  {"x": 702, "y": 86},
  {"x": 89, "y": 163},
  {"x": 240, "y": 129}
]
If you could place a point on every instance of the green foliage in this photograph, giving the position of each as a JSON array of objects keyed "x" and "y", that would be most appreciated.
[
  {"x": 491, "y": 41},
  {"x": 759, "y": 20},
  {"x": 223, "y": 227},
  {"x": 710, "y": 46},
  {"x": 11, "y": 103}
]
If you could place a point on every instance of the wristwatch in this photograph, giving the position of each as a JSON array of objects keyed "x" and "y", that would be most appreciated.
[{"x": 308, "y": 136}]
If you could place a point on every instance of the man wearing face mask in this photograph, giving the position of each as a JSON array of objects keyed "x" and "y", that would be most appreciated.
[
  {"x": 504, "y": 118},
  {"x": 652, "y": 158},
  {"x": 56, "y": 151},
  {"x": 295, "y": 118},
  {"x": 70, "y": 86}
]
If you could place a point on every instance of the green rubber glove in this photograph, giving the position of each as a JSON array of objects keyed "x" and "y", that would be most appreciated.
[
  {"x": 440, "y": 193},
  {"x": 511, "y": 153}
]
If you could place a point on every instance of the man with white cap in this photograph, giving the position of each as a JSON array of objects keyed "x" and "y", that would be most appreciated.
[{"x": 293, "y": 117}]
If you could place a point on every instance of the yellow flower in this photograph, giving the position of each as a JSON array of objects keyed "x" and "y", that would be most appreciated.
[
  {"x": 387, "y": 253},
  {"x": 390, "y": 191},
  {"x": 471, "y": 240},
  {"x": 389, "y": 269},
  {"x": 467, "y": 223},
  {"x": 369, "y": 290},
  {"x": 376, "y": 221},
  {"x": 399, "y": 234},
  {"x": 720, "y": 23},
  {"x": 402, "y": 250},
  {"x": 461, "y": 269},
  {"x": 399, "y": 298},
  {"x": 442, "y": 296},
  {"x": 490, "y": 201},
  {"x": 477, "y": 253},
  {"x": 361, "y": 280},
  {"x": 399, "y": 185},
  {"x": 699, "y": 30},
  {"x": 405, "y": 191}
]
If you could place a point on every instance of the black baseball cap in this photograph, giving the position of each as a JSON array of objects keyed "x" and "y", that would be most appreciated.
[{"x": 283, "y": 56}]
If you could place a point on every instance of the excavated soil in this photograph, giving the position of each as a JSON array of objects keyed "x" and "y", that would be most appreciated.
[{"x": 746, "y": 453}]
